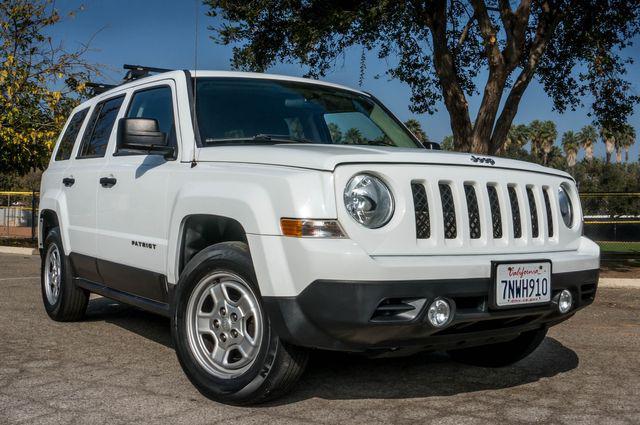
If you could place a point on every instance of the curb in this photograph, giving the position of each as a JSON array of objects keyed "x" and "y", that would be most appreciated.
[
  {"x": 611, "y": 282},
  {"x": 18, "y": 250}
]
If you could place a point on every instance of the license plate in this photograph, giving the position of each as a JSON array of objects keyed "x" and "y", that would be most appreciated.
[{"x": 522, "y": 283}]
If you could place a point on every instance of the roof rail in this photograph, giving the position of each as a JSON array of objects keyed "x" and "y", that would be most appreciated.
[
  {"x": 99, "y": 88},
  {"x": 137, "y": 71}
]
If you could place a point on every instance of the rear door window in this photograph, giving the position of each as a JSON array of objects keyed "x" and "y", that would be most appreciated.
[
  {"x": 96, "y": 136},
  {"x": 70, "y": 135}
]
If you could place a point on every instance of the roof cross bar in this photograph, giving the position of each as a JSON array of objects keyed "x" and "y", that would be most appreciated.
[
  {"x": 138, "y": 71},
  {"x": 99, "y": 88}
]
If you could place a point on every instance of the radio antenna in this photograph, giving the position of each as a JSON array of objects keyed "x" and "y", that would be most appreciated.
[{"x": 195, "y": 88}]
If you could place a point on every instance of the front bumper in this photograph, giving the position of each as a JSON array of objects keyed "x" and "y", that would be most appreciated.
[
  {"x": 342, "y": 315},
  {"x": 323, "y": 293}
]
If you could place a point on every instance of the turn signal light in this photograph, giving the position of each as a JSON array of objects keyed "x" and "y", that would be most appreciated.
[{"x": 310, "y": 228}]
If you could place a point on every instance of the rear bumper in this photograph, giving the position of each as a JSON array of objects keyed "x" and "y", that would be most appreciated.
[{"x": 342, "y": 315}]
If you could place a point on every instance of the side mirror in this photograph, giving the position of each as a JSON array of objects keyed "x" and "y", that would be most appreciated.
[
  {"x": 432, "y": 146},
  {"x": 143, "y": 134}
]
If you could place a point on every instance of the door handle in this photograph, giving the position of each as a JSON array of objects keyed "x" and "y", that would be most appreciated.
[
  {"x": 68, "y": 181},
  {"x": 108, "y": 181}
]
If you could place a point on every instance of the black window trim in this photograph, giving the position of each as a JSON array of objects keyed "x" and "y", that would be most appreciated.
[
  {"x": 100, "y": 104},
  {"x": 80, "y": 132},
  {"x": 175, "y": 120}
]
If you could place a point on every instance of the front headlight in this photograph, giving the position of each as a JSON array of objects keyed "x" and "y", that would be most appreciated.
[
  {"x": 566, "y": 208},
  {"x": 368, "y": 200}
]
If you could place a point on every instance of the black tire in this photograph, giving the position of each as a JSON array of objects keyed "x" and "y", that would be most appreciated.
[
  {"x": 501, "y": 354},
  {"x": 277, "y": 365},
  {"x": 71, "y": 302}
]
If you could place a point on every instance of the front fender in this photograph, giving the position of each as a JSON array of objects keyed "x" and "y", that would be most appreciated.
[{"x": 255, "y": 196}]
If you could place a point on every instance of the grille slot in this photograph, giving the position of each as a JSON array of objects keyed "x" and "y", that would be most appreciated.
[
  {"x": 448, "y": 211},
  {"x": 474, "y": 212},
  {"x": 421, "y": 207},
  {"x": 533, "y": 213},
  {"x": 547, "y": 205},
  {"x": 515, "y": 212},
  {"x": 496, "y": 217}
]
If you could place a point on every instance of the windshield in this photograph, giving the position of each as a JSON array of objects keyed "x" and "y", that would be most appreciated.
[{"x": 241, "y": 110}]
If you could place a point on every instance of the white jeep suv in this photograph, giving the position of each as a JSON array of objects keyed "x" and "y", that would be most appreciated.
[{"x": 269, "y": 215}]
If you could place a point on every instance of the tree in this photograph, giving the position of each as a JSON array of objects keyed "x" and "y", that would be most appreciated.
[
  {"x": 38, "y": 79},
  {"x": 626, "y": 139},
  {"x": 447, "y": 143},
  {"x": 570, "y": 145},
  {"x": 587, "y": 137},
  {"x": 536, "y": 132},
  {"x": 549, "y": 134},
  {"x": 609, "y": 138},
  {"x": 439, "y": 47},
  {"x": 415, "y": 127},
  {"x": 334, "y": 132},
  {"x": 518, "y": 136},
  {"x": 353, "y": 137}
]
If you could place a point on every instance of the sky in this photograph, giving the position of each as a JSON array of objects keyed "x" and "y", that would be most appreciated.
[{"x": 162, "y": 33}]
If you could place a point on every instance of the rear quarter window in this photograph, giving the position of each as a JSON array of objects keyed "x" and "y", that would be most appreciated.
[{"x": 70, "y": 135}]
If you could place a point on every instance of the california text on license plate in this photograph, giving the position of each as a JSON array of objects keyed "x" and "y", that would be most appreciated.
[{"x": 522, "y": 283}]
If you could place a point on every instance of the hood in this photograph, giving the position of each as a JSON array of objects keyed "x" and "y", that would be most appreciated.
[{"x": 328, "y": 157}]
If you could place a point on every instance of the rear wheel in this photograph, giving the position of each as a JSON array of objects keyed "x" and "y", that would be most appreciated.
[
  {"x": 222, "y": 334},
  {"x": 503, "y": 353},
  {"x": 62, "y": 299}
]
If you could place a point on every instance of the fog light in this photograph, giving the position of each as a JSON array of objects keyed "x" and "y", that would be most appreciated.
[
  {"x": 565, "y": 301},
  {"x": 439, "y": 313}
]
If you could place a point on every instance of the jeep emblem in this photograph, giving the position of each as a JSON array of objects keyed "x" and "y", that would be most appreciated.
[{"x": 480, "y": 160}]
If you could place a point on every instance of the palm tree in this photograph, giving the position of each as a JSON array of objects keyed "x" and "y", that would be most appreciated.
[
  {"x": 517, "y": 137},
  {"x": 447, "y": 143},
  {"x": 570, "y": 145},
  {"x": 549, "y": 135},
  {"x": 415, "y": 127},
  {"x": 627, "y": 139},
  {"x": 586, "y": 137},
  {"x": 609, "y": 139},
  {"x": 535, "y": 134}
]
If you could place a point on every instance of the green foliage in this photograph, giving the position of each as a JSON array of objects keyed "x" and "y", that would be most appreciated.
[
  {"x": 574, "y": 48},
  {"x": 39, "y": 82}
]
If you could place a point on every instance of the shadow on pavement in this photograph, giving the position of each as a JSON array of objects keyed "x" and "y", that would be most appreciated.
[
  {"x": 151, "y": 326},
  {"x": 343, "y": 376}
]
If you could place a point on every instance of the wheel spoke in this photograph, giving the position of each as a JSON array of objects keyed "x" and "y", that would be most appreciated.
[
  {"x": 204, "y": 323},
  {"x": 244, "y": 304},
  {"x": 218, "y": 295},
  {"x": 219, "y": 355}
]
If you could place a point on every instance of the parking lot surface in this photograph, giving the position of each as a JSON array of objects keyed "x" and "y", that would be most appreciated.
[{"x": 117, "y": 366}]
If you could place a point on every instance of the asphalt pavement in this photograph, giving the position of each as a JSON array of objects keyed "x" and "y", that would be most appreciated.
[{"x": 118, "y": 366}]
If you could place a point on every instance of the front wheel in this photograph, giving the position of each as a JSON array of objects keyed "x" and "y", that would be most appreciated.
[
  {"x": 222, "y": 334},
  {"x": 503, "y": 353}
]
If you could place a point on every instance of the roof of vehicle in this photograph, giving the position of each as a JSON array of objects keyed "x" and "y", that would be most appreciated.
[{"x": 213, "y": 74}]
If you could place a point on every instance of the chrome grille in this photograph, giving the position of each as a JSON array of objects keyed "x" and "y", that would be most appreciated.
[
  {"x": 421, "y": 205},
  {"x": 533, "y": 213},
  {"x": 496, "y": 217},
  {"x": 473, "y": 211},
  {"x": 448, "y": 211},
  {"x": 515, "y": 212}
]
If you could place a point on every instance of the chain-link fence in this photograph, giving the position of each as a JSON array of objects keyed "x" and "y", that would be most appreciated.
[
  {"x": 613, "y": 220},
  {"x": 18, "y": 215}
]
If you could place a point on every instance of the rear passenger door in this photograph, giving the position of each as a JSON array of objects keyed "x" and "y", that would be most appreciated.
[
  {"x": 81, "y": 194},
  {"x": 132, "y": 214}
]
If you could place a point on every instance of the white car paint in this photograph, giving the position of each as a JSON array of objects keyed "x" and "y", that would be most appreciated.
[{"x": 259, "y": 185}]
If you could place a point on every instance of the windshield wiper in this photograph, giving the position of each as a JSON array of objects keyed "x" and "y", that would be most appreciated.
[
  {"x": 261, "y": 138},
  {"x": 281, "y": 138}
]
